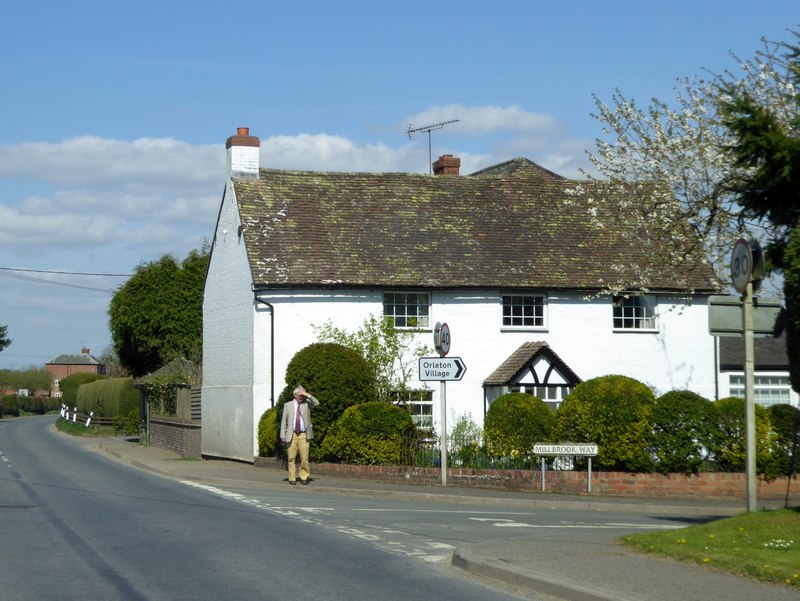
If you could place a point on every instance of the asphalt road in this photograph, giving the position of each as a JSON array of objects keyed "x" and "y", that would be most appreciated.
[{"x": 76, "y": 525}]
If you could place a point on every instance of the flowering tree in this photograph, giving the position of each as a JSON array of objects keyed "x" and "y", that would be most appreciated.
[{"x": 664, "y": 171}]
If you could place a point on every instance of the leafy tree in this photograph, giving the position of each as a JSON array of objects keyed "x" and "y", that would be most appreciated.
[
  {"x": 31, "y": 378},
  {"x": 157, "y": 315},
  {"x": 766, "y": 149},
  {"x": 682, "y": 424},
  {"x": 336, "y": 375},
  {"x": 515, "y": 422},
  {"x": 662, "y": 167},
  {"x": 391, "y": 354},
  {"x": 785, "y": 420},
  {"x": 4, "y": 339},
  {"x": 614, "y": 413}
]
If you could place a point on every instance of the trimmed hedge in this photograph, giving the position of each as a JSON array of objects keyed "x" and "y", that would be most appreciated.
[
  {"x": 682, "y": 428},
  {"x": 515, "y": 422},
  {"x": 69, "y": 386},
  {"x": 614, "y": 413},
  {"x": 370, "y": 434},
  {"x": 269, "y": 432},
  {"x": 110, "y": 397},
  {"x": 338, "y": 376}
]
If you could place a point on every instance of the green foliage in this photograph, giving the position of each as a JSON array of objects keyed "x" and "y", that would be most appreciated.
[
  {"x": 515, "y": 422},
  {"x": 269, "y": 430},
  {"x": 109, "y": 397},
  {"x": 69, "y": 386},
  {"x": 390, "y": 353},
  {"x": 4, "y": 339},
  {"x": 682, "y": 425},
  {"x": 370, "y": 434},
  {"x": 157, "y": 315},
  {"x": 614, "y": 413},
  {"x": 31, "y": 378},
  {"x": 785, "y": 421},
  {"x": 161, "y": 386},
  {"x": 729, "y": 444},
  {"x": 337, "y": 376},
  {"x": 9, "y": 406},
  {"x": 464, "y": 440},
  {"x": 791, "y": 290}
]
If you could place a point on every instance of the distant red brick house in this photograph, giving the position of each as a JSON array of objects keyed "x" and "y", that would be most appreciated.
[{"x": 68, "y": 365}]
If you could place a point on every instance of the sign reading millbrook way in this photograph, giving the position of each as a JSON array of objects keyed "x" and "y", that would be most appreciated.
[
  {"x": 443, "y": 369},
  {"x": 582, "y": 450}
]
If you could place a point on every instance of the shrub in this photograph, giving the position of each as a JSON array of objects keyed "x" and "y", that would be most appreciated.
[
  {"x": 337, "y": 376},
  {"x": 785, "y": 421},
  {"x": 69, "y": 386},
  {"x": 269, "y": 427},
  {"x": 465, "y": 440},
  {"x": 729, "y": 443},
  {"x": 515, "y": 422},
  {"x": 110, "y": 397},
  {"x": 682, "y": 426},
  {"x": 370, "y": 434},
  {"x": 9, "y": 406},
  {"x": 614, "y": 413}
]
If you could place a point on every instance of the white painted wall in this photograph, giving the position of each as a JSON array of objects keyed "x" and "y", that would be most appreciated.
[{"x": 228, "y": 344}]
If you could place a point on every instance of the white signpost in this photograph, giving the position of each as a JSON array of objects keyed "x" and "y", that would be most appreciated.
[
  {"x": 567, "y": 449},
  {"x": 444, "y": 369}
]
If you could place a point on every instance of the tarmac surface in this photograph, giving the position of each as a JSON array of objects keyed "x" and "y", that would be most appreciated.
[{"x": 601, "y": 571}]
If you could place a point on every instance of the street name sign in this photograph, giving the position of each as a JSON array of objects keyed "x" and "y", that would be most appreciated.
[
  {"x": 581, "y": 450},
  {"x": 443, "y": 369}
]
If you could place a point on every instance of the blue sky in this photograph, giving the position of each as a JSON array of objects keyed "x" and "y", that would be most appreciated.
[{"x": 113, "y": 116}]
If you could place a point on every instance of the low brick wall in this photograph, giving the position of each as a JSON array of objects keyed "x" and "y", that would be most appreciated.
[
  {"x": 672, "y": 486},
  {"x": 181, "y": 436}
]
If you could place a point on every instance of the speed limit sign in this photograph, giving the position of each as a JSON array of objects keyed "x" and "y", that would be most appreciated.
[
  {"x": 441, "y": 338},
  {"x": 747, "y": 264}
]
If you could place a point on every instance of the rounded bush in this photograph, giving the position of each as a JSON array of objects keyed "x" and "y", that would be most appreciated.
[
  {"x": 269, "y": 432},
  {"x": 515, "y": 422},
  {"x": 614, "y": 413},
  {"x": 729, "y": 443},
  {"x": 682, "y": 426},
  {"x": 336, "y": 375},
  {"x": 370, "y": 434}
]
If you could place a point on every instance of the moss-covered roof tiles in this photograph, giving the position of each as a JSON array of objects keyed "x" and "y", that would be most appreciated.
[{"x": 507, "y": 226}]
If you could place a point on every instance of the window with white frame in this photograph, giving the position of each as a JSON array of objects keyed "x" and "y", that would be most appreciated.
[
  {"x": 768, "y": 389},
  {"x": 407, "y": 309},
  {"x": 419, "y": 404},
  {"x": 635, "y": 312},
  {"x": 552, "y": 395},
  {"x": 524, "y": 310}
]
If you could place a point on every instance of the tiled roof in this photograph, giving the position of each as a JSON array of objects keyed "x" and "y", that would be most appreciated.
[
  {"x": 77, "y": 359},
  {"x": 521, "y": 359},
  {"x": 770, "y": 354},
  {"x": 507, "y": 226}
]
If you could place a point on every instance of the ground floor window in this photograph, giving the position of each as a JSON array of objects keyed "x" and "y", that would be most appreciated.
[
  {"x": 419, "y": 404},
  {"x": 768, "y": 390}
]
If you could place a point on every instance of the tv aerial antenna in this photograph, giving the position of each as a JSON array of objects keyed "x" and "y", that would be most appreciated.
[{"x": 428, "y": 128}]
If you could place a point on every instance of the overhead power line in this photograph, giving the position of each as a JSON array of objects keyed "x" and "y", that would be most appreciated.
[{"x": 109, "y": 275}]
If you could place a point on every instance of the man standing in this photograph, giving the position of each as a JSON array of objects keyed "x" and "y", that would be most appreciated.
[{"x": 297, "y": 431}]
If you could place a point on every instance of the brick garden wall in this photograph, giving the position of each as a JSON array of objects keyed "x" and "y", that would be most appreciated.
[
  {"x": 178, "y": 435},
  {"x": 673, "y": 486}
]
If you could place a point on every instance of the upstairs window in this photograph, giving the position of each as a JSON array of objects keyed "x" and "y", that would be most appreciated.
[
  {"x": 407, "y": 309},
  {"x": 635, "y": 312},
  {"x": 524, "y": 311}
]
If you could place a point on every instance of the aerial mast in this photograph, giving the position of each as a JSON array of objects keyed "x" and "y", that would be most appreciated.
[{"x": 428, "y": 128}]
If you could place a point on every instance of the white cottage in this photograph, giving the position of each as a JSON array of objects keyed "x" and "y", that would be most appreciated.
[{"x": 500, "y": 256}]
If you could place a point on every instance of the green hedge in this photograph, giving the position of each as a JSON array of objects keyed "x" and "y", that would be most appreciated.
[
  {"x": 371, "y": 434},
  {"x": 69, "y": 386},
  {"x": 111, "y": 397},
  {"x": 269, "y": 432},
  {"x": 515, "y": 422}
]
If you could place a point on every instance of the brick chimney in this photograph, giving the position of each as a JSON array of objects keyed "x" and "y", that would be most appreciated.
[
  {"x": 84, "y": 351},
  {"x": 446, "y": 164},
  {"x": 243, "y": 152}
]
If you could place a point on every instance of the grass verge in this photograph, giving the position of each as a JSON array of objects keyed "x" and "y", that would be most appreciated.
[{"x": 764, "y": 545}]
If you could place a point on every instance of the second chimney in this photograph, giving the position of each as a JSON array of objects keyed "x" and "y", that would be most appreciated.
[
  {"x": 446, "y": 164},
  {"x": 243, "y": 152}
]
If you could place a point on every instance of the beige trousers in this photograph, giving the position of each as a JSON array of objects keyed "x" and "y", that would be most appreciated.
[{"x": 298, "y": 446}]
